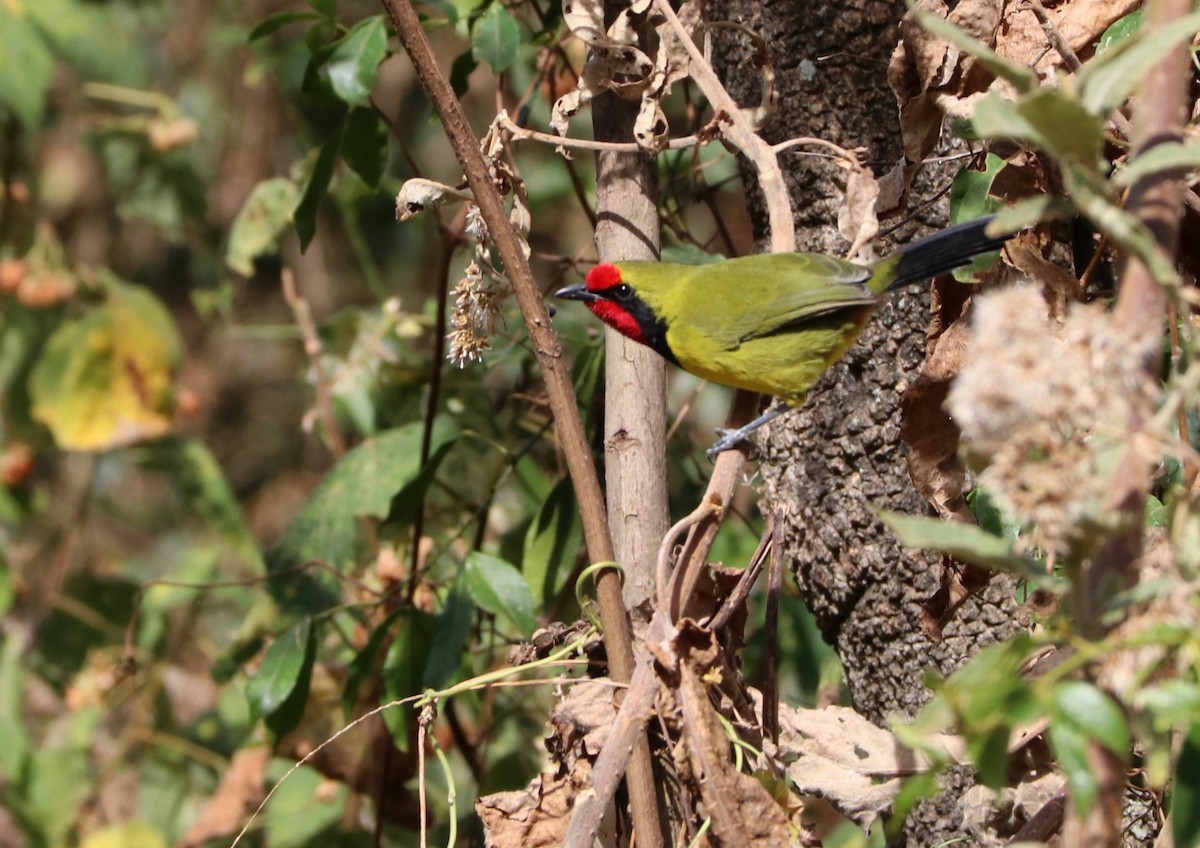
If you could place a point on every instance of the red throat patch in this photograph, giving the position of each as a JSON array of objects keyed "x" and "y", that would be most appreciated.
[{"x": 618, "y": 318}]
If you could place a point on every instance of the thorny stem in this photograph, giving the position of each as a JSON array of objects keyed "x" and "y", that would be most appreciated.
[{"x": 546, "y": 346}]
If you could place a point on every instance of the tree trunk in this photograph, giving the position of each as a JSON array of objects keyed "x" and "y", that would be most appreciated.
[{"x": 838, "y": 460}]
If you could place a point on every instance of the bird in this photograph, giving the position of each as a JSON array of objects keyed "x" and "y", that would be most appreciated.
[{"x": 770, "y": 323}]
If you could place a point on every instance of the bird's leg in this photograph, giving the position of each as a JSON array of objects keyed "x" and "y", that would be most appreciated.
[{"x": 732, "y": 438}]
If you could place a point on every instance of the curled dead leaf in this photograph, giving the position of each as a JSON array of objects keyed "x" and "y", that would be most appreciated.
[{"x": 417, "y": 195}]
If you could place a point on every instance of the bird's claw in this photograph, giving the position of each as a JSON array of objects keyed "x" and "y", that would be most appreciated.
[{"x": 730, "y": 439}]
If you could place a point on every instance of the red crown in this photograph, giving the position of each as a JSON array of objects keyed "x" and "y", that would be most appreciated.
[{"x": 603, "y": 276}]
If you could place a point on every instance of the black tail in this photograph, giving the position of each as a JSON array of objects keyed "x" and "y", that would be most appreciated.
[{"x": 944, "y": 251}]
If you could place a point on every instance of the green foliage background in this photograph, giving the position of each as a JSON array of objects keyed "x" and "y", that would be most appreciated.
[{"x": 198, "y": 558}]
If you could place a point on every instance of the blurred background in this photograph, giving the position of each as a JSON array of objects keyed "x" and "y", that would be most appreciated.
[{"x": 182, "y": 436}]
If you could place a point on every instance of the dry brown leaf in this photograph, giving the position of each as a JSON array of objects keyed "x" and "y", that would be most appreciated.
[
  {"x": 858, "y": 221},
  {"x": 893, "y": 191},
  {"x": 930, "y": 432},
  {"x": 1060, "y": 288},
  {"x": 580, "y": 723},
  {"x": 960, "y": 580},
  {"x": 240, "y": 792},
  {"x": 740, "y": 808},
  {"x": 1021, "y": 39},
  {"x": 533, "y": 817},
  {"x": 836, "y": 754}
]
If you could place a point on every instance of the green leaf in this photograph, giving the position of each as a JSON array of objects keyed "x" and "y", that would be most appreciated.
[
  {"x": 989, "y": 691},
  {"x": 318, "y": 39},
  {"x": 1124, "y": 229},
  {"x": 363, "y": 664},
  {"x": 7, "y": 594},
  {"x": 364, "y": 145},
  {"x": 970, "y": 198},
  {"x": 315, "y": 189},
  {"x": 195, "y": 472},
  {"x": 27, "y": 68},
  {"x": 967, "y": 542},
  {"x": 14, "y": 740},
  {"x": 499, "y": 588},
  {"x": 261, "y": 223},
  {"x": 460, "y": 73},
  {"x": 1080, "y": 714},
  {"x": 1022, "y": 78},
  {"x": 1173, "y": 158},
  {"x": 328, "y": 8},
  {"x": 304, "y": 811},
  {"x": 1119, "y": 30},
  {"x": 365, "y": 482},
  {"x": 87, "y": 36},
  {"x": 450, "y": 631},
  {"x": 1069, "y": 745},
  {"x": 278, "y": 21},
  {"x": 1173, "y": 702},
  {"x": 495, "y": 38},
  {"x": 1031, "y": 210},
  {"x": 356, "y": 59},
  {"x": 287, "y": 664},
  {"x": 1185, "y": 791},
  {"x": 1095, "y": 713},
  {"x": 1049, "y": 120},
  {"x": 990, "y": 516},
  {"x": 55, "y": 784},
  {"x": 1156, "y": 512},
  {"x": 403, "y": 670},
  {"x": 552, "y": 543},
  {"x": 989, "y": 755},
  {"x": 107, "y": 379},
  {"x": 446, "y": 8},
  {"x": 1106, "y": 80}
]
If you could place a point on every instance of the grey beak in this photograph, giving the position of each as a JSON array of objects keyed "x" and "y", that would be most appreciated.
[{"x": 577, "y": 292}]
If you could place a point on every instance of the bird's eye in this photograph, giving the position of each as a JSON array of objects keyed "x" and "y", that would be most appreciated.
[{"x": 623, "y": 292}]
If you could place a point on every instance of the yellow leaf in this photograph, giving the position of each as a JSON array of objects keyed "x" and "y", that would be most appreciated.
[
  {"x": 131, "y": 835},
  {"x": 105, "y": 380}
]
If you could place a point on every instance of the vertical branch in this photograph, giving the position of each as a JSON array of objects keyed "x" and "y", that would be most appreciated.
[
  {"x": 546, "y": 345},
  {"x": 635, "y": 406},
  {"x": 1142, "y": 303},
  {"x": 1158, "y": 115}
]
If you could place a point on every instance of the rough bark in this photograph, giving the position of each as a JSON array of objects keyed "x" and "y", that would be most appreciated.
[{"x": 839, "y": 459}]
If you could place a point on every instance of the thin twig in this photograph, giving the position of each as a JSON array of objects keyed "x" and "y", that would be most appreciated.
[
  {"x": 451, "y": 236},
  {"x": 770, "y": 654},
  {"x": 312, "y": 349},
  {"x": 663, "y": 579},
  {"x": 520, "y": 133}
]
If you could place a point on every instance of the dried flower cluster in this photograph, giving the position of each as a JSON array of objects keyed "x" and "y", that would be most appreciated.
[
  {"x": 476, "y": 308},
  {"x": 1045, "y": 411}
]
